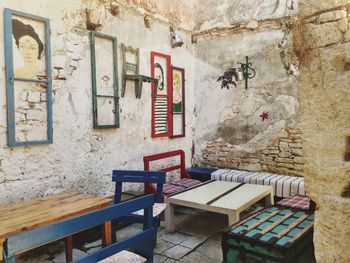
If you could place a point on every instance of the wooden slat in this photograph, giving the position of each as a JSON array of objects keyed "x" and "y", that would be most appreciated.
[
  {"x": 262, "y": 220},
  {"x": 47, "y": 205},
  {"x": 32, "y": 207},
  {"x": 28, "y": 215},
  {"x": 302, "y": 232},
  {"x": 291, "y": 226},
  {"x": 276, "y": 223},
  {"x": 30, "y": 202},
  {"x": 224, "y": 194},
  {"x": 43, "y": 214},
  {"x": 243, "y": 197},
  {"x": 205, "y": 193}
]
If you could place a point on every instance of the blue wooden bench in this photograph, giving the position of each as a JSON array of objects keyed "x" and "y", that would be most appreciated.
[{"x": 141, "y": 243}]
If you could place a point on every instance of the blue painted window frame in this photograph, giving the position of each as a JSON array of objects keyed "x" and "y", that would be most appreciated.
[
  {"x": 10, "y": 78},
  {"x": 115, "y": 96}
]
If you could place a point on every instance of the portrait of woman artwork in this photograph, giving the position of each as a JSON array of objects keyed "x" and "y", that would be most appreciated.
[
  {"x": 178, "y": 102},
  {"x": 28, "y": 78},
  {"x": 30, "y": 48}
]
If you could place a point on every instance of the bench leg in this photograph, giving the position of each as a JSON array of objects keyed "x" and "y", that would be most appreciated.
[
  {"x": 233, "y": 218},
  {"x": 169, "y": 218},
  {"x": 1, "y": 244},
  {"x": 106, "y": 229},
  {"x": 69, "y": 249}
]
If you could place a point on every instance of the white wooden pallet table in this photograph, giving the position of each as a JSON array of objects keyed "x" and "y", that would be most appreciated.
[{"x": 220, "y": 197}]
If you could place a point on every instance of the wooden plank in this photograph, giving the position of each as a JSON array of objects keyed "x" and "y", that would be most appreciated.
[
  {"x": 243, "y": 197},
  {"x": 261, "y": 220},
  {"x": 276, "y": 223},
  {"x": 223, "y": 194},
  {"x": 31, "y": 207},
  {"x": 47, "y": 210},
  {"x": 202, "y": 195},
  {"x": 302, "y": 232},
  {"x": 50, "y": 215},
  {"x": 291, "y": 226},
  {"x": 46, "y": 206},
  {"x": 20, "y": 205}
]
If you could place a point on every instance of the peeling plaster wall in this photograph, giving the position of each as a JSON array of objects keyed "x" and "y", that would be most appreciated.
[
  {"x": 225, "y": 13},
  {"x": 81, "y": 157},
  {"x": 234, "y": 116},
  {"x": 324, "y": 96}
]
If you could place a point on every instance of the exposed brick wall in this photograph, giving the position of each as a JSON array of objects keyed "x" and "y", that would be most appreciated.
[{"x": 283, "y": 155}]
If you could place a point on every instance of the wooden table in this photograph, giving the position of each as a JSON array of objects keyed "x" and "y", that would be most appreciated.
[
  {"x": 17, "y": 218},
  {"x": 220, "y": 197}
]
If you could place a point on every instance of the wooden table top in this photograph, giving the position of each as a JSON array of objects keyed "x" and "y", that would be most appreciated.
[
  {"x": 27, "y": 215},
  {"x": 220, "y": 195}
]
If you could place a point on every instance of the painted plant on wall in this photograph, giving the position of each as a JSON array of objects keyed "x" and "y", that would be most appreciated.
[{"x": 28, "y": 75}]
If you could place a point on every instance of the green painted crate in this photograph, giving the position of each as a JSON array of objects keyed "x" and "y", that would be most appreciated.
[{"x": 272, "y": 235}]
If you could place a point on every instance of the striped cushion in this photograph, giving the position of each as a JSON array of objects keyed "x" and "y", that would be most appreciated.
[
  {"x": 124, "y": 257},
  {"x": 178, "y": 185},
  {"x": 171, "y": 188},
  {"x": 297, "y": 201},
  {"x": 186, "y": 182},
  {"x": 283, "y": 185}
]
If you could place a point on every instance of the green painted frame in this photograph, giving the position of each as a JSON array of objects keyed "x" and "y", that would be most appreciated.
[
  {"x": 136, "y": 77},
  {"x": 10, "y": 78},
  {"x": 93, "y": 36}
]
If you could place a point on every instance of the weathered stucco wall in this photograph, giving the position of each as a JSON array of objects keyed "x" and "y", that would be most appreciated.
[
  {"x": 81, "y": 157},
  {"x": 225, "y": 13},
  {"x": 323, "y": 44},
  {"x": 233, "y": 118}
]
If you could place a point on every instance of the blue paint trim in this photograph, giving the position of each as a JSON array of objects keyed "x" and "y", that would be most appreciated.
[
  {"x": 49, "y": 82},
  {"x": 11, "y": 135},
  {"x": 10, "y": 78}
]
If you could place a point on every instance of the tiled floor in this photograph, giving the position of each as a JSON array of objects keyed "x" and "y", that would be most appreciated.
[{"x": 197, "y": 239}]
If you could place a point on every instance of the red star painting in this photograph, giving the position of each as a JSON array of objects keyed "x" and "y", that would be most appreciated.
[{"x": 264, "y": 116}]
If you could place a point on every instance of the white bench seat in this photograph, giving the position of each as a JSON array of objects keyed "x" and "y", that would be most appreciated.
[{"x": 283, "y": 185}]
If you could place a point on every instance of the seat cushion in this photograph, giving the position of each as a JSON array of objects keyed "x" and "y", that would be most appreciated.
[
  {"x": 296, "y": 201},
  {"x": 186, "y": 182},
  {"x": 178, "y": 185},
  {"x": 124, "y": 257},
  {"x": 158, "y": 208},
  {"x": 171, "y": 188}
]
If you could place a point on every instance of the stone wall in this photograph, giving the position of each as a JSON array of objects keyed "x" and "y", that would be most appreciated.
[
  {"x": 81, "y": 157},
  {"x": 248, "y": 121},
  {"x": 322, "y": 42},
  {"x": 283, "y": 155}
]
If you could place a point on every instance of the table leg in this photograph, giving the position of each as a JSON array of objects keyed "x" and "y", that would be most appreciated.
[
  {"x": 1, "y": 244},
  {"x": 233, "y": 218},
  {"x": 106, "y": 229},
  {"x": 69, "y": 248},
  {"x": 169, "y": 218},
  {"x": 269, "y": 200}
]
